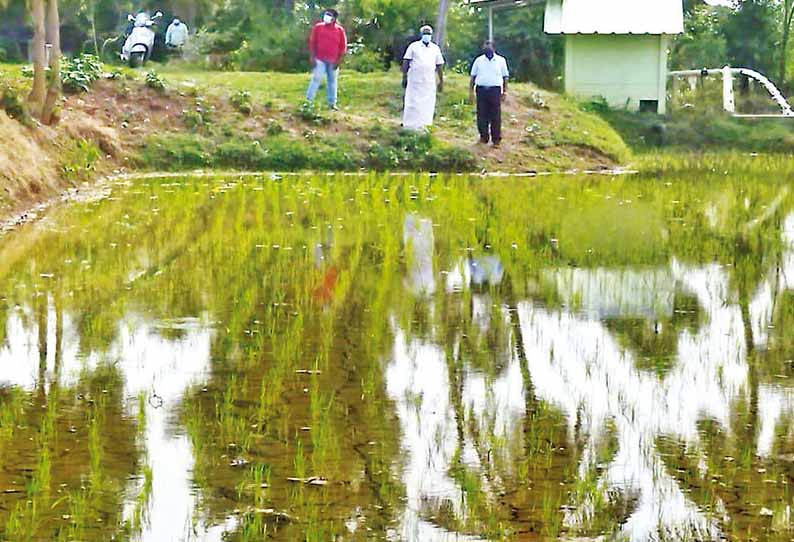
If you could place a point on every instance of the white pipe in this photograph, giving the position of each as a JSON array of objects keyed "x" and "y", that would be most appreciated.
[
  {"x": 728, "y": 72},
  {"x": 728, "y": 99}
]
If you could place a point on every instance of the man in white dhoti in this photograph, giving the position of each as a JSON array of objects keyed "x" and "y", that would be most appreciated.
[{"x": 422, "y": 63}]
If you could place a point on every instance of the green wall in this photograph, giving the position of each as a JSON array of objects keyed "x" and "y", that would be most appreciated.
[{"x": 623, "y": 69}]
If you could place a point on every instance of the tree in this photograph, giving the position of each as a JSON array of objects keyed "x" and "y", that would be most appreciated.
[
  {"x": 54, "y": 87},
  {"x": 756, "y": 48},
  {"x": 788, "y": 15},
  {"x": 38, "y": 93},
  {"x": 441, "y": 22},
  {"x": 703, "y": 43}
]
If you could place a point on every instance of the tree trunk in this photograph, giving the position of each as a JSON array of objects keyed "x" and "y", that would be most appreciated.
[
  {"x": 36, "y": 97},
  {"x": 54, "y": 88},
  {"x": 783, "y": 57},
  {"x": 93, "y": 30},
  {"x": 441, "y": 22},
  {"x": 788, "y": 13}
]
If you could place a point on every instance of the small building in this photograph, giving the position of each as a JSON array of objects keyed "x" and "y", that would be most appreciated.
[
  {"x": 617, "y": 49},
  {"x": 614, "y": 49}
]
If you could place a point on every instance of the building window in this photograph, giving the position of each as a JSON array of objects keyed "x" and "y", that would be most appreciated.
[{"x": 649, "y": 106}]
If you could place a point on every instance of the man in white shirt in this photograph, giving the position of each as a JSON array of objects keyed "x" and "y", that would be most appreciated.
[
  {"x": 489, "y": 78},
  {"x": 176, "y": 35},
  {"x": 422, "y": 63}
]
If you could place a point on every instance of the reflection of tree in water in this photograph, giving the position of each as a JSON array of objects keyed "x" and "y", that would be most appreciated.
[
  {"x": 655, "y": 342},
  {"x": 528, "y": 411},
  {"x": 68, "y": 445}
]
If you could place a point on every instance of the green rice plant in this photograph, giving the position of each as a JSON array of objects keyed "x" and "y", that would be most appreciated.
[{"x": 154, "y": 81}]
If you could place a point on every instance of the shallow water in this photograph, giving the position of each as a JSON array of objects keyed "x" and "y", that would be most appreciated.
[{"x": 410, "y": 358}]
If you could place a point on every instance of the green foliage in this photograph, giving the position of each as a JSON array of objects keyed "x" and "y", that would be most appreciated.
[
  {"x": 756, "y": 48},
  {"x": 363, "y": 59},
  {"x": 78, "y": 160},
  {"x": 12, "y": 101},
  {"x": 703, "y": 43},
  {"x": 192, "y": 119},
  {"x": 154, "y": 81},
  {"x": 173, "y": 152},
  {"x": 702, "y": 131},
  {"x": 78, "y": 73},
  {"x": 274, "y": 127},
  {"x": 310, "y": 112},
  {"x": 409, "y": 150},
  {"x": 241, "y": 100},
  {"x": 246, "y": 155}
]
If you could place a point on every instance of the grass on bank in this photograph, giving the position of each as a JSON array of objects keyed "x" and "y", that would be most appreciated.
[
  {"x": 542, "y": 130},
  {"x": 699, "y": 131}
]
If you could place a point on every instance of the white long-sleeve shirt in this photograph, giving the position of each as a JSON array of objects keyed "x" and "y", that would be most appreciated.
[{"x": 176, "y": 35}]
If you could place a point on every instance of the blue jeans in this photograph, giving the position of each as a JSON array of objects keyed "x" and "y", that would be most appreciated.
[{"x": 331, "y": 73}]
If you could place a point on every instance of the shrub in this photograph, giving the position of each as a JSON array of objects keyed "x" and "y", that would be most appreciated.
[
  {"x": 154, "y": 81},
  {"x": 337, "y": 157},
  {"x": 10, "y": 50},
  {"x": 284, "y": 154},
  {"x": 78, "y": 73},
  {"x": 192, "y": 119},
  {"x": 175, "y": 152},
  {"x": 310, "y": 112},
  {"x": 14, "y": 104},
  {"x": 446, "y": 158},
  {"x": 79, "y": 159},
  {"x": 240, "y": 155},
  {"x": 274, "y": 127},
  {"x": 364, "y": 60},
  {"x": 241, "y": 100}
]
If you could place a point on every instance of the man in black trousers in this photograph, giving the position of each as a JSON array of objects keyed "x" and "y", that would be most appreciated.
[{"x": 489, "y": 78}]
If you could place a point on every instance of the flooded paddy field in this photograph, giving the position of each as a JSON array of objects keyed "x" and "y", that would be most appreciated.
[{"x": 414, "y": 358}]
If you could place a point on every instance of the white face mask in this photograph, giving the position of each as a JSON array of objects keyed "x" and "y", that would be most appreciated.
[
  {"x": 328, "y": 19},
  {"x": 427, "y": 38}
]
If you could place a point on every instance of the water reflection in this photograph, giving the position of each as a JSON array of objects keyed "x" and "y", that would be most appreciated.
[{"x": 314, "y": 362}]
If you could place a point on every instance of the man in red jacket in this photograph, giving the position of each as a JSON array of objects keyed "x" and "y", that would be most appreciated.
[{"x": 327, "y": 47}]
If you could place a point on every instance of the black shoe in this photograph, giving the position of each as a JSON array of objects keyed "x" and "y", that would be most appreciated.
[{"x": 483, "y": 141}]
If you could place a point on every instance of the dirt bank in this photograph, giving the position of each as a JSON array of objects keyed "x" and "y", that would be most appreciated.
[{"x": 200, "y": 122}]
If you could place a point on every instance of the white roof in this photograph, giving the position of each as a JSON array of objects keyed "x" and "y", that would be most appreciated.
[{"x": 614, "y": 17}]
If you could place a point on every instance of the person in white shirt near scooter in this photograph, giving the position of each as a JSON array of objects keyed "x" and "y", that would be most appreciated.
[{"x": 176, "y": 35}]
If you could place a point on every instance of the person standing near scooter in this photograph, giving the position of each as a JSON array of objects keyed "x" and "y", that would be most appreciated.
[
  {"x": 327, "y": 48},
  {"x": 176, "y": 35}
]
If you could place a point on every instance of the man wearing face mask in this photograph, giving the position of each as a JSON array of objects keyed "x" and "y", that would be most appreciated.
[
  {"x": 422, "y": 63},
  {"x": 489, "y": 78},
  {"x": 327, "y": 47}
]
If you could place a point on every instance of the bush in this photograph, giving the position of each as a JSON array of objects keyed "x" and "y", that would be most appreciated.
[
  {"x": 14, "y": 103},
  {"x": 175, "y": 152},
  {"x": 240, "y": 155},
  {"x": 79, "y": 159},
  {"x": 310, "y": 112},
  {"x": 241, "y": 100},
  {"x": 450, "y": 159},
  {"x": 364, "y": 60},
  {"x": 80, "y": 72},
  {"x": 192, "y": 119},
  {"x": 154, "y": 81},
  {"x": 274, "y": 127}
]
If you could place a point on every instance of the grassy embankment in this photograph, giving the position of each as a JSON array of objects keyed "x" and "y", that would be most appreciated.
[
  {"x": 254, "y": 121},
  {"x": 701, "y": 136}
]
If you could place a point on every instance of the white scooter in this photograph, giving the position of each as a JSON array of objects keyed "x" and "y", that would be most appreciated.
[{"x": 139, "y": 44}]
